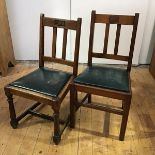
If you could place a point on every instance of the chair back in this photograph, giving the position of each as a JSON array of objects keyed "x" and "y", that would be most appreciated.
[
  {"x": 119, "y": 20},
  {"x": 66, "y": 25}
]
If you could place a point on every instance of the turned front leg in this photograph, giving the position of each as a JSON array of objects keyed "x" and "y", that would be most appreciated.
[{"x": 13, "y": 121}]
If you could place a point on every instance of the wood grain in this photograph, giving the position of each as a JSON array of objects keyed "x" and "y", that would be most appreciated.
[
  {"x": 90, "y": 132},
  {"x": 6, "y": 47}
]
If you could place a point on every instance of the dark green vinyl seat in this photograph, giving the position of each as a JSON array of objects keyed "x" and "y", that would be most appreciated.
[
  {"x": 104, "y": 77},
  {"x": 43, "y": 80}
]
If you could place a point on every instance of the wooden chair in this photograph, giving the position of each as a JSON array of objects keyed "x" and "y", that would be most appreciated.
[
  {"x": 106, "y": 81},
  {"x": 45, "y": 85}
]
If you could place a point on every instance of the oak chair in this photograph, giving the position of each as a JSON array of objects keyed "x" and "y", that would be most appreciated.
[
  {"x": 46, "y": 85},
  {"x": 106, "y": 81}
]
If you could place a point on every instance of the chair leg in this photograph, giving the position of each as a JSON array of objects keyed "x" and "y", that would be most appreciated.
[
  {"x": 57, "y": 134},
  {"x": 13, "y": 122},
  {"x": 73, "y": 100},
  {"x": 126, "y": 108},
  {"x": 89, "y": 98},
  {"x": 123, "y": 104}
]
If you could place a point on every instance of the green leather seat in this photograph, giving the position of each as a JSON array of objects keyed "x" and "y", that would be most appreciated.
[
  {"x": 43, "y": 80},
  {"x": 104, "y": 77}
]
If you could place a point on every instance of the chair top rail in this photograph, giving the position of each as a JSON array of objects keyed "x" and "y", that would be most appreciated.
[
  {"x": 60, "y": 23},
  {"x": 114, "y": 19}
]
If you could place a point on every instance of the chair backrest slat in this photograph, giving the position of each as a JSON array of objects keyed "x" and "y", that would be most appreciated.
[
  {"x": 106, "y": 38},
  {"x": 110, "y": 56},
  {"x": 117, "y": 39},
  {"x": 54, "y": 42},
  {"x": 60, "y": 23},
  {"x": 58, "y": 60},
  {"x": 56, "y": 23},
  {"x": 119, "y": 20},
  {"x": 64, "y": 44},
  {"x": 114, "y": 19}
]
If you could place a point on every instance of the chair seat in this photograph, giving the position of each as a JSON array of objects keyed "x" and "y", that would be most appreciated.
[
  {"x": 43, "y": 80},
  {"x": 104, "y": 77}
]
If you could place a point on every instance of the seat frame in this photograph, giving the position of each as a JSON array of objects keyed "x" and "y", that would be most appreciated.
[
  {"x": 88, "y": 89},
  {"x": 54, "y": 102}
]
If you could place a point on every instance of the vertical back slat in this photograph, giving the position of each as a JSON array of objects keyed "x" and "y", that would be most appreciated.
[
  {"x": 133, "y": 41},
  {"x": 54, "y": 42},
  {"x": 41, "y": 42},
  {"x": 91, "y": 38},
  {"x": 64, "y": 44},
  {"x": 117, "y": 39},
  {"x": 106, "y": 38}
]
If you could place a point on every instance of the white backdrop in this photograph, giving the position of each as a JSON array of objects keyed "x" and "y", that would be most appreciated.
[
  {"x": 24, "y": 23},
  {"x": 24, "y": 18},
  {"x": 149, "y": 37},
  {"x": 83, "y": 9}
]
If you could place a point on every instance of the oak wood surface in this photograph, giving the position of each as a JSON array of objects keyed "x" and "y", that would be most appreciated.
[
  {"x": 90, "y": 136},
  {"x": 6, "y": 47}
]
